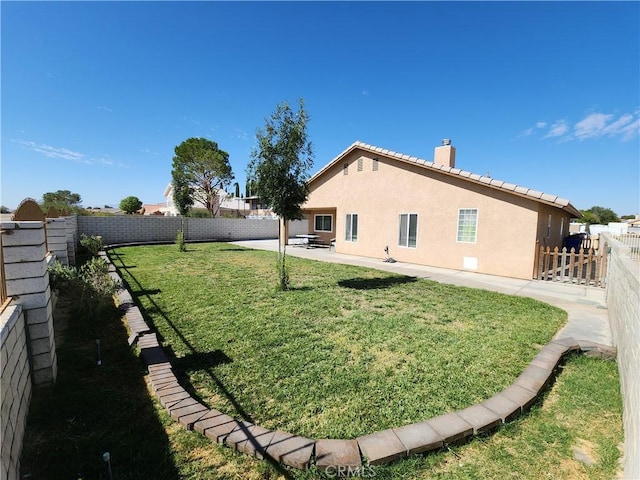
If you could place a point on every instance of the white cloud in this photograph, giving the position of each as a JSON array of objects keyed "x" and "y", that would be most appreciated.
[
  {"x": 531, "y": 130},
  {"x": 64, "y": 153},
  {"x": 365, "y": 93},
  {"x": 558, "y": 129},
  {"x": 631, "y": 130},
  {"x": 106, "y": 109},
  {"x": 594, "y": 125}
]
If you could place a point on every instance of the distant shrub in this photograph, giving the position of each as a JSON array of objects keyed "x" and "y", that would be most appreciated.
[
  {"x": 199, "y": 213},
  {"x": 93, "y": 243}
]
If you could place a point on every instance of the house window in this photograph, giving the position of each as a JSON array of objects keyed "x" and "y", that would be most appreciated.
[
  {"x": 549, "y": 227},
  {"x": 345, "y": 169},
  {"x": 374, "y": 165},
  {"x": 323, "y": 223},
  {"x": 351, "y": 228},
  {"x": 408, "y": 230},
  {"x": 562, "y": 228},
  {"x": 360, "y": 162},
  {"x": 467, "y": 225}
]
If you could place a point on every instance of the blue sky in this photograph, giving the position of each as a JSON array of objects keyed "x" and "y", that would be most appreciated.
[{"x": 96, "y": 95}]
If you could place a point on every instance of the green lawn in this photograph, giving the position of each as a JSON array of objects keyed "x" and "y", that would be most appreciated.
[
  {"x": 218, "y": 336},
  {"x": 349, "y": 351}
]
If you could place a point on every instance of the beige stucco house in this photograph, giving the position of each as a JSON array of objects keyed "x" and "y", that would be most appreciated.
[{"x": 432, "y": 213}]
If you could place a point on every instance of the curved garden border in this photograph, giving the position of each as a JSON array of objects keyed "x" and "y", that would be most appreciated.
[{"x": 374, "y": 449}]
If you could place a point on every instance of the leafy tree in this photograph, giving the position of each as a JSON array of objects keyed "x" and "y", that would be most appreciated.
[
  {"x": 61, "y": 200},
  {"x": 598, "y": 215},
  {"x": 182, "y": 197},
  {"x": 130, "y": 204},
  {"x": 200, "y": 171},
  {"x": 279, "y": 170},
  {"x": 4, "y": 209},
  {"x": 237, "y": 190},
  {"x": 250, "y": 188}
]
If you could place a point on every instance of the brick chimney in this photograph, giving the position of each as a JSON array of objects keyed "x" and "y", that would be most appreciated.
[{"x": 445, "y": 154}]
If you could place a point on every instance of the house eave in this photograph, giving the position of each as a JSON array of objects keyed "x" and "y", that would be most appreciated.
[{"x": 513, "y": 189}]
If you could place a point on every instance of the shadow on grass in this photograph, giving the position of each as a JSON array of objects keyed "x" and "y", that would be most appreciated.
[
  {"x": 201, "y": 361},
  {"x": 95, "y": 409},
  {"x": 143, "y": 293},
  {"x": 234, "y": 249},
  {"x": 299, "y": 289},
  {"x": 209, "y": 360},
  {"x": 375, "y": 283}
]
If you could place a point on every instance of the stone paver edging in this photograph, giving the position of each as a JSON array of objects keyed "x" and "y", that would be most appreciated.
[{"x": 376, "y": 448}]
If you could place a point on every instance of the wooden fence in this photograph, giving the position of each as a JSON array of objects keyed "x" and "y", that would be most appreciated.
[{"x": 584, "y": 267}]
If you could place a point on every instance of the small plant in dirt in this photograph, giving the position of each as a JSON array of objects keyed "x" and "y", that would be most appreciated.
[{"x": 93, "y": 243}]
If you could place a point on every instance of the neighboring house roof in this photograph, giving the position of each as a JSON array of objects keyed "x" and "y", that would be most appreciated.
[
  {"x": 153, "y": 208},
  {"x": 511, "y": 188}
]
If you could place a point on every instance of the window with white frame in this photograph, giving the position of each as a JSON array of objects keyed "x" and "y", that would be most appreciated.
[
  {"x": 408, "y": 232},
  {"x": 467, "y": 225},
  {"x": 351, "y": 227},
  {"x": 323, "y": 223}
]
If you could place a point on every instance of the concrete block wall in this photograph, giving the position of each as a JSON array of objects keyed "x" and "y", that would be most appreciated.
[
  {"x": 133, "y": 229},
  {"x": 71, "y": 227},
  {"x": 623, "y": 301},
  {"x": 27, "y": 278},
  {"x": 57, "y": 238},
  {"x": 130, "y": 228},
  {"x": 15, "y": 387}
]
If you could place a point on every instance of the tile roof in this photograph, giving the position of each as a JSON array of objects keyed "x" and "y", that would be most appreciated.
[{"x": 519, "y": 190}]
